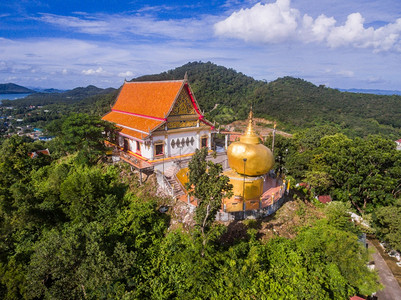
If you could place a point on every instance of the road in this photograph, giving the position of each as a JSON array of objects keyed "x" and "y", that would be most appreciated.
[{"x": 391, "y": 290}]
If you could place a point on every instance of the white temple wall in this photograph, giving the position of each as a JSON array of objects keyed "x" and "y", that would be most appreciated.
[
  {"x": 182, "y": 149},
  {"x": 147, "y": 150}
]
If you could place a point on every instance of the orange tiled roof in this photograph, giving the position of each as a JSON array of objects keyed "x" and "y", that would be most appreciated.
[
  {"x": 133, "y": 133},
  {"x": 139, "y": 123},
  {"x": 148, "y": 98}
]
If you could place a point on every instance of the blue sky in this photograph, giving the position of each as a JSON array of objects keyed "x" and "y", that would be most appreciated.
[{"x": 65, "y": 44}]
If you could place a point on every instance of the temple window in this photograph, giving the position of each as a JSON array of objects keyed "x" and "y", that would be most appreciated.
[
  {"x": 138, "y": 147},
  {"x": 126, "y": 144},
  {"x": 159, "y": 149},
  {"x": 204, "y": 141}
]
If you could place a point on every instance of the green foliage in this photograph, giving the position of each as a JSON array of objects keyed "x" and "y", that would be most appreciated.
[
  {"x": 338, "y": 216},
  {"x": 73, "y": 230},
  {"x": 388, "y": 222},
  {"x": 225, "y": 95},
  {"x": 292, "y": 101},
  {"x": 360, "y": 170},
  {"x": 209, "y": 186},
  {"x": 82, "y": 133}
]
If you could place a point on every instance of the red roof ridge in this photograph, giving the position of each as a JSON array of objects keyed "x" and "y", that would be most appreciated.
[
  {"x": 152, "y": 81},
  {"x": 138, "y": 115}
]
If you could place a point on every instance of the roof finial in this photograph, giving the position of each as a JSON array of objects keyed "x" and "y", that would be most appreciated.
[
  {"x": 249, "y": 130},
  {"x": 186, "y": 77}
]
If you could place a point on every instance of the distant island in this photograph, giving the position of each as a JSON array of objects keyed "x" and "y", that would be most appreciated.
[
  {"x": 372, "y": 91},
  {"x": 12, "y": 88}
]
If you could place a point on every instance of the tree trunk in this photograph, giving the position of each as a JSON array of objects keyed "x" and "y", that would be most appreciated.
[{"x": 203, "y": 230}]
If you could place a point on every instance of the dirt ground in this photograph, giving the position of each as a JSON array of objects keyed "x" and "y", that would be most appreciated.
[
  {"x": 285, "y": 222},
  {"x": 262, "y": 126}
]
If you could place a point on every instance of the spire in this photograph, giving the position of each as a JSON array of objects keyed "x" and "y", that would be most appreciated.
[
  {"x": 249, "y": 136},
  {"x": 249, "y": 130},
  {"x": 186, "y": 77}
]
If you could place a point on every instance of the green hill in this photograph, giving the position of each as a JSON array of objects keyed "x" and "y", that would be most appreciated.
[
  {"x": 12, "y": 88},
  {"x": 226, "y": 95}
]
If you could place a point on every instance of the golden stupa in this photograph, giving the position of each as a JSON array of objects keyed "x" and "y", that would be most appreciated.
[{"x": 249, "y": 161}]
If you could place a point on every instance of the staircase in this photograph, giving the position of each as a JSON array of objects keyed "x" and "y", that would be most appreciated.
[{"x": 172, "y": 180}]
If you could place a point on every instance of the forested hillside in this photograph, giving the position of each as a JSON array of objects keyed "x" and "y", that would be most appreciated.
[
  {"x": 226, "y": 95},
  {"x": 12, "y": 88},
  {"x": 73, "y": 226}
]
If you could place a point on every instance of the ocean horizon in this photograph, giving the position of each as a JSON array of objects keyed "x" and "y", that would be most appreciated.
[{"x": 12, "y": 96}]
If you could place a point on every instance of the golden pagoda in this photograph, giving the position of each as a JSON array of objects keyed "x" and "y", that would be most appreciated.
[{"x": 249, "y": 161}]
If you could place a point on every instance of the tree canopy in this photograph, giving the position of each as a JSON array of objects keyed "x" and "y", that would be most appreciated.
[{"x": 70, "y": 229}]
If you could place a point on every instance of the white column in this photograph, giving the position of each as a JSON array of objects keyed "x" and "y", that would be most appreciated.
[
  {"x": 167, "y": 142},
  {"x": 152, "y": 151},
  {"x": 197, "y": 140}
]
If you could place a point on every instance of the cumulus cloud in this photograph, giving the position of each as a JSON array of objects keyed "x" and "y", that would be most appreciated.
[
  {"x": 93, "y": 71},
  {"x": 270, "y": 23},
  {"x": 278, "y": 22},
  {"x": 346, "y": 73},
  {"x": 126, "y": 74}
]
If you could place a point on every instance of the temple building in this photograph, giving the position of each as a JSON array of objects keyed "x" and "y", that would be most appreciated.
[
  {"x": 159, "y": 122},
  {"x": 160, "y": 126}
]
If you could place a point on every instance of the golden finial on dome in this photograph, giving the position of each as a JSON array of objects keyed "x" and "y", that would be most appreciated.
[
  {"x": 250, "y": 137},
  {"x": 249, "y": 131},
  {"x": 249, "y": 156}
]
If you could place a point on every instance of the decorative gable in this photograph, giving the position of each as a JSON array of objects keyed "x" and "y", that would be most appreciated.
[{"x": 183, "y": 105}]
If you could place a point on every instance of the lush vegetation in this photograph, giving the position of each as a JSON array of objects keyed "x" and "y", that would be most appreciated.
[
  {"x": 11, "y": 88},
  {"x": 226, "y": 95},
  {"x": 365, "y": 172},
  {"x": 74, "y": 228}
]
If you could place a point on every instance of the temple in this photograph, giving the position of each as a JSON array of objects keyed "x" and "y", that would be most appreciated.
[
  {"x": 160, "y": 126},
  {"x": 158, "y": 122}
]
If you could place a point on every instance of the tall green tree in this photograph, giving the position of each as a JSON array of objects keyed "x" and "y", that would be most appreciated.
[
  {"x": 363, "y": 171},
  {"x": 388, "y": 224},
  {"x": 209, "y": 187},
  {"x": 81, "y": 133}
]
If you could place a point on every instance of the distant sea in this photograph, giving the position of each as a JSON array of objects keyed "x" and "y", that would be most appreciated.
[{"x": 12, "y": 96}]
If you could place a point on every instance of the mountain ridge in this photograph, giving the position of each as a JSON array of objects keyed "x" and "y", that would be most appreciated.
[{"x": 12, "y": 88}]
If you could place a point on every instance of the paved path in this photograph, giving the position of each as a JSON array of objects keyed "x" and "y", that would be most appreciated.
[{"x": 392, "y": 290}]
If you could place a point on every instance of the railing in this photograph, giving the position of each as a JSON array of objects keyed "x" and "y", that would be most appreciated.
[{"x": 164, "y": 184}]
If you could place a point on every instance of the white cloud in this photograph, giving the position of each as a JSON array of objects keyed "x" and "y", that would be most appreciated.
[
  {"x": 346, "y": 73},
  {"x": 126, "y": 74},
  {"x": 129, "y": 25},
  {"x": 269, "y": 23},
  {"x": 278, "y": 22},
  {"x": 93, "y": 71}
]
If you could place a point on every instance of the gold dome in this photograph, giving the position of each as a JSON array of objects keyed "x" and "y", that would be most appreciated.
[{"x": 248, "y": 156}]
